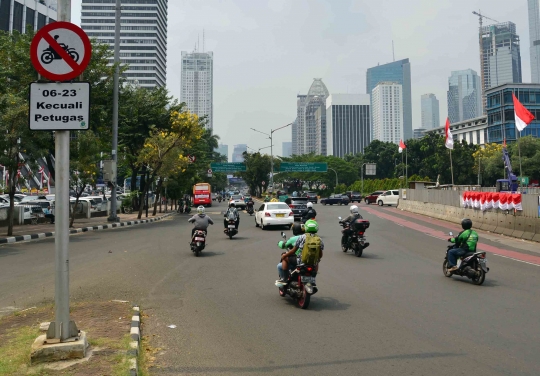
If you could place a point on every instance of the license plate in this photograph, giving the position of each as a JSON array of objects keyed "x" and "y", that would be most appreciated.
[
  {"x": 200, "y": 239},
  {"x": 232, "y": 226},
  {"x": 306, "y": 279},
  {"x": 280, "y": 215},
  {"x": 482, "y": 261}
]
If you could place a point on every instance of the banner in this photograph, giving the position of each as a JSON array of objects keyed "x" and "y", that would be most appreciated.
[{"x": 491, "y": 200}]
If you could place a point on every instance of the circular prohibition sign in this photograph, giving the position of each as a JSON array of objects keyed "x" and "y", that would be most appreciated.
[{"x": 60, "y": 51}]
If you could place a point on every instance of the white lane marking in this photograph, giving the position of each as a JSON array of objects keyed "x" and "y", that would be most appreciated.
[{"x": 511, "y": 258}]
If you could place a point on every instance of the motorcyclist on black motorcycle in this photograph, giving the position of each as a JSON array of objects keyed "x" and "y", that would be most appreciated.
[
  {"x": 249, "y": 205},
  {"x": 465, "y": 242},
  {"x": 231, "y": 213},
  {"x": 201, "y": 221},
  {"x": 355, "y": 214},
  {"x": 310, "y": 213}
]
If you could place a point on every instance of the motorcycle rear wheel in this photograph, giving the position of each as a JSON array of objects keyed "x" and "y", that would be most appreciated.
[
  {"x": 197, "y": 252},
  {"x": 303, "y": 302},
  {"x": 481, "y": 277},
  {"x": 445, "y": 269},
  {"x": 358, "y": 250}
]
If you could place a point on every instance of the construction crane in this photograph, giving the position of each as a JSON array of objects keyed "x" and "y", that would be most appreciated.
[{"x": 482, "y": 67}]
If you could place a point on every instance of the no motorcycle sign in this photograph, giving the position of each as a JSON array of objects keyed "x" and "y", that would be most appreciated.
[{"x": 60, "y": 51}]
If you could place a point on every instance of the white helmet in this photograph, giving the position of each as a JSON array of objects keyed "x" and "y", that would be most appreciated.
[
  {"x": 354, "y": 210},
  {"x": 309, "y": 204},
  {"x": 200, "y": 210}
]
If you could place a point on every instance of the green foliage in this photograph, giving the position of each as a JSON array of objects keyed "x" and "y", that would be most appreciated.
[
  {"x": 371, "y": 185},
  {"x": 258, "y": 168}
]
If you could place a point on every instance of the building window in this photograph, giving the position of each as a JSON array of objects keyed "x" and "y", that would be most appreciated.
[
  {"x": 18, "y": 9},
  {"x": 30, "y": 15}
]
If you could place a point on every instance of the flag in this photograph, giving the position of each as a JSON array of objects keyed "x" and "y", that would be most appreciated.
[
  {"x": 522, "y": 115},
  {"x": 401, "y": 146},
  {"x": 449, "y": 141}
]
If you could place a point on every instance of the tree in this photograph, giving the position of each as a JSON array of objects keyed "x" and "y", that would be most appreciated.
[
  {"x": 257, "y": 171},
  {"x": 163, "y": 150}
]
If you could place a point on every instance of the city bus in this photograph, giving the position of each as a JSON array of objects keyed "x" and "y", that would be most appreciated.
[{"x": 202, "y": 194}]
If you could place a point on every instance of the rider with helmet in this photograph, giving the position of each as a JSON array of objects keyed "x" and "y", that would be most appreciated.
[
  {"x": 465, "y": 242},
  {"x": 310, "y": 228},
  {"x": 355, "y": 214},
  {"x": 310, "y": 213},
  {"x": 200, "y": 220},
  {"x": 291, "y": 261},
  {"x": 231, "y": 213}
]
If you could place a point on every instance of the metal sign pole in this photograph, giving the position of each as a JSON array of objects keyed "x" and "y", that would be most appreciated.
[
  {"x": 113, "y": 217},
  {"x": 61, "y": 299}
]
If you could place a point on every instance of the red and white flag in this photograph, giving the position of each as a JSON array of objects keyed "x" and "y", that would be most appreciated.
[
  {"x": 401, "y": 146},
  {"x": 522, "y": 115},
  {"x": 448, "y": 141}
]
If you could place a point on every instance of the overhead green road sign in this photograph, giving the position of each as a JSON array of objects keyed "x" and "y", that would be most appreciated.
[
  {"x": 228, "y": 167},
  {"x": 303, "y": 167},
  {"x": 524, "y": 180}
]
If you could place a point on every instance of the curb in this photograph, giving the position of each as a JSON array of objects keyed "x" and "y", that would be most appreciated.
[
  {"x": 134, "y": 345},
  {"x": 44, "y": 235}
]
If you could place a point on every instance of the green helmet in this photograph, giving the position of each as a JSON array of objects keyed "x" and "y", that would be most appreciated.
[
  {"x": 281, "y": 244},
  {"x": 311, "y": 226}
]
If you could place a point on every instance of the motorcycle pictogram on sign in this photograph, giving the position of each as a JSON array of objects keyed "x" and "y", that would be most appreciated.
[{"x": 49, "y": 54}]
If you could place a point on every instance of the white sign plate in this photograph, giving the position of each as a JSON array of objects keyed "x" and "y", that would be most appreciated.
[{"x": 59, "y": 106}]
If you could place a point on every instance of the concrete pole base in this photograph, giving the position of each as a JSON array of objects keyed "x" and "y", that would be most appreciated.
[{"x": 43, "y": 352}]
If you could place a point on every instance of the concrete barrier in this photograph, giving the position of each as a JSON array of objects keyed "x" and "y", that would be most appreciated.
[
  {"x": 490, "y": 221},
  {"x": 528, "y": 227},
  {"x": 536, "y": 236}
]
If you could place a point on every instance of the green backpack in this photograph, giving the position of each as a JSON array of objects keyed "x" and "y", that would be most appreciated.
[{"x": 311, "y": 253}]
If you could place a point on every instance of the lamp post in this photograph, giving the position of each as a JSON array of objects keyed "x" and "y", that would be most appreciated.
[
  {"x": 270, "y": 136},
  {"x": 362, "y": 177},
  {"x": 335, "y": 172}
]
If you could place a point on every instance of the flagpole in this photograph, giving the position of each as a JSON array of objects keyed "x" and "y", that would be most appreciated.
[
  {"x": 519, "y": 154},
  {"x": 402, "y": 167},
  {"x": 451, "y": 167},
  {"x": 406, "y": 170}
]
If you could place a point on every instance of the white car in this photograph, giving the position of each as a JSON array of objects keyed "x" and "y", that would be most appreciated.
[
  {"x": 388, "y": 198},
  {"x": 274, "y": 214},
  {"x": 238, "y": 201}
]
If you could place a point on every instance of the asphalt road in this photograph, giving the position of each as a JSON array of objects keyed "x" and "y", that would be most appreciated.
[{"x": 391, "y": 312}]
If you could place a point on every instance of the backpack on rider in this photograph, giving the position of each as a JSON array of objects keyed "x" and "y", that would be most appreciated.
[{"x": 311, "y": 252}]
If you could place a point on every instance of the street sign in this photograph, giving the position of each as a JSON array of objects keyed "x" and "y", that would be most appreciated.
[
  {"x": 108, "y": 171},
  {"x": 303, "y": 167},
  {"x": 524, "y": 180},
  {"x": 371, "y": 169},
  {"x": 60, "y": 51},
  {"x": 263, "y": 183},
  {"x": 59, "y": 106},
  {"x": 210, "y": 171},
  {"x": 192, "y": 159},
  {"x": 228, "y": 167}
]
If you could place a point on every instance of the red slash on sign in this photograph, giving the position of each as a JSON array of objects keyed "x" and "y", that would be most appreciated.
[{"x": 60, "y": 51}]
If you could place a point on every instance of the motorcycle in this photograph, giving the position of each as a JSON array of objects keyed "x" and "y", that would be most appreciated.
[
  {"x": 231, "y": 230},
  {"x": 219, "y": 199},
  {"x": 300, "y": 284},
  {"x": 198, "y": 242},
  {"x": 356, "y": 240},
  {"x": 472, "y": 265},
  {"x": 249, "y": 209},
  {"x": 186, "y": 209}
]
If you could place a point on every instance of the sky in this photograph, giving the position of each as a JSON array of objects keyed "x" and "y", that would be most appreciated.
[{"x": 268, "y": 51}]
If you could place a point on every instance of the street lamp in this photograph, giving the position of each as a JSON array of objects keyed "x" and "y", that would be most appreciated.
[
  {"x": 335, "y": 172},
  {"x": 270, "y": 136}
]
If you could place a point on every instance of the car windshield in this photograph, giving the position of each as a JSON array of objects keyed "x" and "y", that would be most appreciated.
[
  {"x": 236, "y": 197},
  {"x": 279, "y": 206}
]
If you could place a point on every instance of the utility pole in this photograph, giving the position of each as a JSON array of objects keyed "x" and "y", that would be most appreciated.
[{"x": 112, "y": 216}]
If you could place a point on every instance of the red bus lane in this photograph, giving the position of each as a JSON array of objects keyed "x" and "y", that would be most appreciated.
[{"x": 518, "y": 256}]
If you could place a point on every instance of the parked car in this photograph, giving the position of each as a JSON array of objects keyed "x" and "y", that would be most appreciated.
[
  {"x": 354, "y": 196},
  {"x": 311, "y": 196},
  {"x": 372, "y": 197},
  {"x": 299, "y": 206},
  {"x": 238, "y": 201},
  {"x": 388, "y": 198},
  {"x": 274, "y": 214},
  {"x": 335, "y": 199}
]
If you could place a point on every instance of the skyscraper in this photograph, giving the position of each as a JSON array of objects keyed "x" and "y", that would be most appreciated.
[
  {"x": 306, "y": 122},
  {"x": 197, "y": 84},
  {"x": 534, "y": 37},
  {"x": 430, "y": 111},
  {"x": 223, "y": 150},
  {"x": 348, "y": 125},
  {"x": 387, "y": 112},
  {"x": 143, "y": 36},
  {"x": 400, "y": 72},
  {"x": 298, "y": 125},
  {"x": 464, "y": 96},
  {"x": 286, "y": 149},
  {"x": 238, "y": 150},
  {"x": 501, "y": 57},
  {"x": 294, "y": 136},
  {"x": 17, "y": 15}
]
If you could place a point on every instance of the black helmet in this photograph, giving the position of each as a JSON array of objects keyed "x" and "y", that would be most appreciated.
[
  {"x": 466, "y": 224},
  {"x": 297, "y": 229},
  {"x": 232, "y": 205}
]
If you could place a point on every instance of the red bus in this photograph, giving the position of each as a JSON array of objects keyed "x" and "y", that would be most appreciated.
[{"x": 202, "y": 194}]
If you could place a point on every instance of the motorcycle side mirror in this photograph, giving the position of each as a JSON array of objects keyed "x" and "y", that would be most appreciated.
[
  {"x": 451, "y": 233},
  {"x": 339, "y": 218},
  {"x": 283, "y": 235}
]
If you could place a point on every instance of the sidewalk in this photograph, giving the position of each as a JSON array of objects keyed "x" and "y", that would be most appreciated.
[{"x": 45, "y": 230}]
